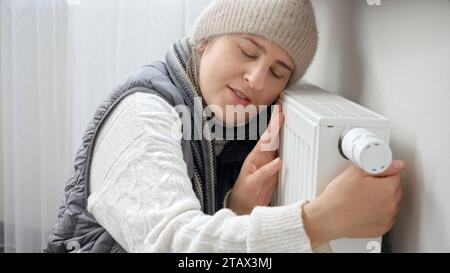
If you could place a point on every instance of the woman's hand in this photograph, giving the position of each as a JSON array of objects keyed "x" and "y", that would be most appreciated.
[
  {"x": 259, "y": 173},
  {"x": 355, "y": 204}
]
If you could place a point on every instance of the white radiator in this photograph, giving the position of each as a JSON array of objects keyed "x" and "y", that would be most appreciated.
[{"x": 315, "y": 120}]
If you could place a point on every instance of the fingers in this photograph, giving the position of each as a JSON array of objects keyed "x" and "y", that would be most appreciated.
[
  {"x": 395, "y": 168},
  {"x": 394, "y": 185},
  {"x": 399, "y": 193},
  {"x": 268, "y": 189},
  {"x": 267, "y": 170},
  {"x": 267, "y": 178},
  {"x": 253, "y": 168},
  {"x": 277, "y": 119},
  {"x": 269, "y": 140}
]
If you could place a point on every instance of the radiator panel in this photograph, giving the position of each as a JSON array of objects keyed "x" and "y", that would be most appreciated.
[{"x": 314, "y": 121}]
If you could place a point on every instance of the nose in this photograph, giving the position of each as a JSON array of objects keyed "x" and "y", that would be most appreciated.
[{"x": 255, "y": 76}]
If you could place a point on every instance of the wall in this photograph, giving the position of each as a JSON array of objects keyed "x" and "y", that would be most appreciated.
[
  {"x": 1, "y": 144},
  {"x": 395, "y": 59}
]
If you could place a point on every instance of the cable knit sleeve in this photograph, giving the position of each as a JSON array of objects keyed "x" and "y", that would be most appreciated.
[{"x": 142, "y": 195}]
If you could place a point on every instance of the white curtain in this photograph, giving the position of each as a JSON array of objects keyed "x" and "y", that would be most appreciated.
[{"x": 58, "y": 60}]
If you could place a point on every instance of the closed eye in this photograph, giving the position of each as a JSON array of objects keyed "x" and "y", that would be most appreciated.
[
  {"x": 254, "y": 57},
  {"x": 247, "y": 55},
  {"x": 275, "y": 75}
]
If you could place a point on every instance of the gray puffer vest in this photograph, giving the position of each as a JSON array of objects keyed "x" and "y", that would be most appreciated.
[{"x": 76, "y": 230}]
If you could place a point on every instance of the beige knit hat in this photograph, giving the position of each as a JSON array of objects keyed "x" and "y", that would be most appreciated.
[{"x": 290, "y": 24}]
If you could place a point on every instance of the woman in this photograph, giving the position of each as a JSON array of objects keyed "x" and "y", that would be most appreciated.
[{"x": 150, "y": 177}]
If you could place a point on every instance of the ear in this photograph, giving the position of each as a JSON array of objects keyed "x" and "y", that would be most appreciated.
[{"x": 202, "y": 46}]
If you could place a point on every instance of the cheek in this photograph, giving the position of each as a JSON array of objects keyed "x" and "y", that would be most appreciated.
[
  {"x": 270, "y": 96},
  {"x": 216, "y": 72},
  {"x": 225, "y": 68}
]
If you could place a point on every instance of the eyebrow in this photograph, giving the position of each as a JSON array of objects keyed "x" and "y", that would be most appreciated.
[{"x": 263, "y": 49}]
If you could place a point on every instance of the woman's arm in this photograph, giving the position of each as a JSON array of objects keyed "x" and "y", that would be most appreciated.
[
  {"x": 354, "y": 204},
  {"x": 144, "y": 197}
]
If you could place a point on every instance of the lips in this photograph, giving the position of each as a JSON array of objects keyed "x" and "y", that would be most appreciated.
[{"x": 239, "y": 96}]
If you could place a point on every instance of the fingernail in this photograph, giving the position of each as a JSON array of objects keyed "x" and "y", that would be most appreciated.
[
  {"x": 276, "y": 163},
  {"x": 399, "y": 164}
]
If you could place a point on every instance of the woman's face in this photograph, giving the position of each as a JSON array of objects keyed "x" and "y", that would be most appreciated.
[{"x": 242, "y": 69}]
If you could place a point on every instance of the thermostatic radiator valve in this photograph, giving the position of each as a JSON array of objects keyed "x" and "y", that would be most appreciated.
[{"x": 365, "y": 150}]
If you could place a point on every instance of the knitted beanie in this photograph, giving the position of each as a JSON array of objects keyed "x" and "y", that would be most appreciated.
[{"x": 290, "y": 24}]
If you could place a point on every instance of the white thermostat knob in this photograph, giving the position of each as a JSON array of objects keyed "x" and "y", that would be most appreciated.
[{"x": 365, "y": 150}]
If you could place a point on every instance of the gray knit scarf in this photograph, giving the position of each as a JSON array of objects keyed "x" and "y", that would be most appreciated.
[{"x": 183, "y": 64}]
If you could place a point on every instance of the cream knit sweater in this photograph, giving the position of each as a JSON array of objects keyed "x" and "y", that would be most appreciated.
[{"x": 142, "y": 195}]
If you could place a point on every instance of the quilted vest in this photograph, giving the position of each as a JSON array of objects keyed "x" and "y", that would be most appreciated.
[{"x": 76, "y": 230}]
